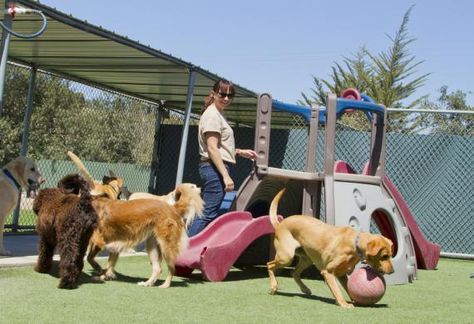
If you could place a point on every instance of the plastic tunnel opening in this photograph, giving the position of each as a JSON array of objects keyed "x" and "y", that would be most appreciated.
[
  {"x": 260, "y": 250},
  {"x": 380, "y": 222},
  {"x": 290, "y": 203}
]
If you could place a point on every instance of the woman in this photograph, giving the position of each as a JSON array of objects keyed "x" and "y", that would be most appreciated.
[{"x": 217, "y": 152}]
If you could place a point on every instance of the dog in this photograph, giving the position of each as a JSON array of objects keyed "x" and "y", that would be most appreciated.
[
  {"x": 66, "y": 221},
  {"x": 124, "y": 224},
  {"x": 334, "y": 250},
  {"x": 111, "y": 185},
  {"x": 170, "y": 198},
  {"x": 21, "y": 172}
]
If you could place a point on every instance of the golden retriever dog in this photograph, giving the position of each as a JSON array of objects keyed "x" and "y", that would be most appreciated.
[
  {"x": 334, "y": 250},
  {"x": 111, "y": 185},
  {"x": 170, "y": 198},
  {"x": 124, "y": 224},
  {"x": 21, "y": 172}
]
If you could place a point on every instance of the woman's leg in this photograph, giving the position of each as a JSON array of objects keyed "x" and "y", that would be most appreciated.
[{"x": 212, "y": 194}]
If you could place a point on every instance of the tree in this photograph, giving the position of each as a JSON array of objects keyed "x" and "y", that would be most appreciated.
[
  {"x": 11, "y": 120},
  {"x": 97, "y": 126},
  {"x": 388, "y": 77},
  {"x": 445, "y": 123}
]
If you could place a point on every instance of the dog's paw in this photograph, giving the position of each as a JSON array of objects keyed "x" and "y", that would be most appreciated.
[
  {"x": 164, "y": 285},
  {"x": 306, "y": 290},
  {"x": 108, "y": 276},
  {"x": 347, "y": 306},
  {"x": 67, "y": 285},
  {"x": 41, "y": 269},
  {"x": 273, "y": 291},
  {"x": 97, "y": 279},
  {"x": 144, "y": 284}
]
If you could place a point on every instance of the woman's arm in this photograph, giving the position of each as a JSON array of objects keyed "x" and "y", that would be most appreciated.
[
  {"x": 212, "y": 141},
  {"x": 246, "y": 153}
]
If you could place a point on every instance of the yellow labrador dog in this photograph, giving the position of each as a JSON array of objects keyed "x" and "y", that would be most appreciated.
[
  {"x": 334, "y": 250},
  {"x": 21, "y": 172},
  {"x": 111, "y": 187}
]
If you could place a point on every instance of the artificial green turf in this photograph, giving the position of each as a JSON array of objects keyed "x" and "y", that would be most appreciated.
[{"x": 445, "y": 295}]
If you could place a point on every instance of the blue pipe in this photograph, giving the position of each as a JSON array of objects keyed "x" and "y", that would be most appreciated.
[{"x": 366, "y": 105}]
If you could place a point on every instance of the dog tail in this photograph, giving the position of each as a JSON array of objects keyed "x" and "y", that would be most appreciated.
[
  {"x": 81, "y": 167},
  {"x": 274, "y": 208}
]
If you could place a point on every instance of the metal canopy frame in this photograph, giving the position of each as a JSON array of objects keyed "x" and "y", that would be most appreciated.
[{"x": 90, "y": 54}]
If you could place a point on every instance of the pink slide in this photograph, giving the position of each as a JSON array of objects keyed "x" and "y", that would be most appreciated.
[
  {"x": 218, "y": 246},
  {"x": 427, "y": 253}
]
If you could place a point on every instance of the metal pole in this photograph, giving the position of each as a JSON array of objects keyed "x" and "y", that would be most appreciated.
[
  {"x": 184, "y": 137},
  {"x": 28, "y": 113},
  {"x": 7, "y": 21},
  {"x": 24, "y": 141},
  {"x": 156, "y": 149}
]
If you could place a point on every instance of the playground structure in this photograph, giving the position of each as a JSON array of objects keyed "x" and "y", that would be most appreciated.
[{"x": 350, "y": 199}]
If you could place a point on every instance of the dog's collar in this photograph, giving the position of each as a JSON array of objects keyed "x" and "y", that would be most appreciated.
[
  {"x": 116, "y": 189},
  {"x": 12, "y": 178},
  {"x": 358, "y": 250}
]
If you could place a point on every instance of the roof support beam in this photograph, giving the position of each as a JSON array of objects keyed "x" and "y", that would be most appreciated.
[
  {"x": 7, "y": 21},
  {"x": 184, "y": 137}
]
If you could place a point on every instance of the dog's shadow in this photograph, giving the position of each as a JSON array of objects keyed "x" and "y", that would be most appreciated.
[
  {"x": 246, "y": 272},
  {"x": 84, "y": 278},
  {"x": 326, "y": 300},
  {"x": 234, "y": 274},
  {"x": 120, "y": 277}
]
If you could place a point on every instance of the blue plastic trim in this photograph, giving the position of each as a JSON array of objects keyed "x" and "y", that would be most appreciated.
[
  {"x": 303, "y": 111},
  {"x": 366, "y": 105}
]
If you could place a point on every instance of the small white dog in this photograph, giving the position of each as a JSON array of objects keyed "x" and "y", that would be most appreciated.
[
  {"x": 21, "y": 172},
  {"x": 169, "y": 198}
]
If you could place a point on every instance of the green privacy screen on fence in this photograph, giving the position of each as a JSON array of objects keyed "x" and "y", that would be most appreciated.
[{"x": 432, "y": 172}]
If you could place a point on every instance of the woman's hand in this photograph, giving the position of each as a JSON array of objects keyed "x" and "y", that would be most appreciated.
[
  {"x": 229, "y": 183},
  {"x": 246, "y": 153}
]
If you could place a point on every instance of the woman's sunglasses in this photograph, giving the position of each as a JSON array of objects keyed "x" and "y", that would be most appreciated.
[{"x": 228, "y": 95}]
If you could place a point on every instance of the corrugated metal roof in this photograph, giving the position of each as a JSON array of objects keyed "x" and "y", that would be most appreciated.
[{"x": 88, "y": 53}]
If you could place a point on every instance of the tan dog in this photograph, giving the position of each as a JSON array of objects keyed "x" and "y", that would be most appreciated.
[
  {"x": 124, "y": 224},
  {"x": 110, "y": 187},
  {"x": 170, "y": 198},
  {"x": 335, "y": 251},
  {"x": 21, "y": 172}
]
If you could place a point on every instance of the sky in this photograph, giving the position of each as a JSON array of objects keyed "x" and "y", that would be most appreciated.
[{"x": 277, "y": 46}]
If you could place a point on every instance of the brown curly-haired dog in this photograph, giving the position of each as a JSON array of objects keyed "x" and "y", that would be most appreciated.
[{"x": 66, "y": 220}]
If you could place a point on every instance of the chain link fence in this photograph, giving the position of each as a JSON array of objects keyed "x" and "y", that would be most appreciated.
[
  {"x": 107, "y": 130},
  {"x": 431, "y": 166}
]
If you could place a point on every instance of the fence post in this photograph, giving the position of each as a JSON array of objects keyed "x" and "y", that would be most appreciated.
[
  {"x": 152, "y": 188},
  {"x": 7, "y": 21},
  {"x": 184, "y": 137}
]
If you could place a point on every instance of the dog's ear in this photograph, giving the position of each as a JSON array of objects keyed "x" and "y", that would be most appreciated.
[
  {"x": 106, "y": 179},
  {"x": 112, "y": 174},
  {"x": 177, "y": 193},
  {"x": 374, "y": 246}
]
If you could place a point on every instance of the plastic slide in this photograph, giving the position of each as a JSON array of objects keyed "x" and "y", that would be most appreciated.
[
  {"x": 427, "y": 253},
  {"x": 217, "y": 247}
]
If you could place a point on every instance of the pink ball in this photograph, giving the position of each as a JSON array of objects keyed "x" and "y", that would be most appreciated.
[{"x": 366, "y": 286}]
